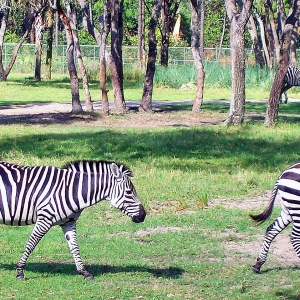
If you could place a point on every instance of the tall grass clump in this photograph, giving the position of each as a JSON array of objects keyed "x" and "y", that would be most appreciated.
[
  {"x": 257, "y": 77},
  {"x": 174, "y": 76},
  {"x": 217, "y": 75}
]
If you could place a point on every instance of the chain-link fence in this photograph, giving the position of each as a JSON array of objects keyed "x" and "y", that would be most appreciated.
[{"x": 25, "y": 62}]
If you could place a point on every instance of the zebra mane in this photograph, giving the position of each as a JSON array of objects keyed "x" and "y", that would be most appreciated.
[{"x": 88, "y": 166}]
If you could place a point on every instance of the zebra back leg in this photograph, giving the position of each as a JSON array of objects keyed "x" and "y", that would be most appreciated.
[
  {"x": 69, "y": 230},
  {"x": 295, "y": 238},
  {"x": 41, "y": 227},
  {"x": 272, "y": 231},
  {"x": 284, "y": 90}
]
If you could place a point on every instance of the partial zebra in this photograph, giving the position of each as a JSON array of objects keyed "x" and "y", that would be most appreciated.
[
  {"x": 48, "y": 196},
  {"x": 287, "y": 187},
  {"x": 291, "y": 78}
]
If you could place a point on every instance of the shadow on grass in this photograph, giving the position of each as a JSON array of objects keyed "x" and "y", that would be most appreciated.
[
  {"x": 97, "y": 270},
  {"x": 288, "y": 295}
]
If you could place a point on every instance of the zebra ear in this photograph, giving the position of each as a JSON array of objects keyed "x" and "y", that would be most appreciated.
[{"x": 115, "y": 170}]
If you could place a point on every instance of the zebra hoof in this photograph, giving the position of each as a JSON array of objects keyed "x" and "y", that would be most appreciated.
[
  {"x": 20, "y": 277},
  {"x": 256, "y": 269},
  {"x": 88, "y": 277}
]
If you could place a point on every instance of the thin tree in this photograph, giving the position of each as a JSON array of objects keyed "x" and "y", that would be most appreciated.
[
  {"x": 115, "y": 61},
  {"x": 76, "y": 105},
  {"x": 141, "y": 37},
  {"x": 39, "y": 32},
  {"x": 71, "y": 13},
  {"x": 100, "y": 38},
  {"x": 146, "y": 103},
  {"x": 289, "y": 27},
  {"x": 168, "y": 14},
  {"x": 49, "y": 42},
  {"x": 4, "y": 72},
  {"x": 238, "y": 20},
  {"x": 196, "y": 9}
]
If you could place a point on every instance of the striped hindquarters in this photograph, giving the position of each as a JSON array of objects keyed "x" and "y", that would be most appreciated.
[{"x": 292, "y": 76}]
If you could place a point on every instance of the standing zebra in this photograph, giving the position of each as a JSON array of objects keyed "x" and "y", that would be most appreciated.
[
  {"x": 288, "y": 188},
  {"x": 48, "y": 196},
  {"x": 291, "y": 78}
]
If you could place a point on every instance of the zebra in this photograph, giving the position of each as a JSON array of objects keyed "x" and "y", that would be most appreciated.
[
  {"x": 288, "y": 188},
  {"x": 291, "y": 78},
  {"x": 47, "y": 196}
]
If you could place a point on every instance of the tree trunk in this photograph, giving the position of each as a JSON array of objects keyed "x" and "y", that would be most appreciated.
[
  {"x": 50, "y": 23},
  {"x": 146, "y": 103},
  {"x": 76, "y": 105},
  {"x": 141, "y": 24},
  {"x": 238, "y": 23},
  {"x": 115, "y": 62},
  {"x": 272, "y": 109},
  {"x": 263, "y": 40},
  {"x": 85, "y": 82},
  {"x": 167, "y": 15},
  {"x": 102, "y": 54},
  {"x": 39, "y": 30},
  {"x": 100, "y": 39},
  {"x": 195, "y": 40},
  {"x": 259, "y": 58},
  {"x": 165, "y": 33},
  {"x": 5, "y": 72}
]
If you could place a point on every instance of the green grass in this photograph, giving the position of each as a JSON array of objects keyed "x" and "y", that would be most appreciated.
[{"x": 179, "y": 252}]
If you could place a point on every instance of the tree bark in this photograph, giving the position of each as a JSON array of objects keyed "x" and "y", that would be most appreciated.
[
  {"x": 146, "y": 103},
  {"x": 141, "y": 42},
  {"x": 76, "y": 105},
  {"x": 5, "y": 72},
  {"x": 50, "y": 24},
  {"x": 85, "y": 82},
  {"x": 259, "y": 58},
  {"x": 238, "y": 23},
  {"x": 115, "y": 62},
  {"x": 272, "y": 109},
  {"x": 167, "y": 15},
  {"x": 195, "y": 41},
  {"x": 39, "y": 30},
  {"x": 100, "y": 38}
]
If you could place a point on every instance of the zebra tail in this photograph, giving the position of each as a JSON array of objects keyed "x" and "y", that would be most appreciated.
[{"x": 266, "y": 214}]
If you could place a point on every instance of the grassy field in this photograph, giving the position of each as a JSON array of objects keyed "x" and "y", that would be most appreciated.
[{"x": 192, "y": 245}]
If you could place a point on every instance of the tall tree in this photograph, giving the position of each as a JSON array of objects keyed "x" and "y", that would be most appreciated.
[
  {"x": 100, "y": 38},
  {"x": 168, "y": 13},
  {"x": 146, "y": 103},
  {"x": 71, "y": 13},
  {"x": 49, "y": 42},
  {"x": 76, "y": 105},
  {"x": 39, "y": 31},
  {"x": 141, "y": 24},
  {"x": 40, "y": 6},
  {"x": 272, "y": 109},
  {"x": 238, "y": 17},
  {"x": 196, "y": 11},
  {"x": 115, "y": 60}
]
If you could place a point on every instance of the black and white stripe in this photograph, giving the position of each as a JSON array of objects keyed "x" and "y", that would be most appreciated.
[
  {"x": 291, "y": 78},
  {"x": 287, "y": 187},
  {"x": 48, "y": 196}
]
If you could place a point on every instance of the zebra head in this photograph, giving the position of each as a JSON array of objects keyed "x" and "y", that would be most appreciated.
[{"x": 123, "y": 196}]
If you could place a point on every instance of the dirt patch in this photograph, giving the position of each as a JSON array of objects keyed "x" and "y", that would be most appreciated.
[{"x": 57, "y": 113}]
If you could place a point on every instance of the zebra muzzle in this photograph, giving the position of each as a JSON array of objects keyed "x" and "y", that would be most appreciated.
[{"x": 141, "y": 216}]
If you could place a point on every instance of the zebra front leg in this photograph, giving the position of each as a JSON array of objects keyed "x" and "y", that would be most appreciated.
[
  {"x": 272, "y": 231},
  {"x": 69, "y": 230},
  {"x": 41, "y": 227}
]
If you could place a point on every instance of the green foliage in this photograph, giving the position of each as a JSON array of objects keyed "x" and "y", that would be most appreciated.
[
  {"x": 10, "y": 37},
  {"x": 85, "y": 38}
]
